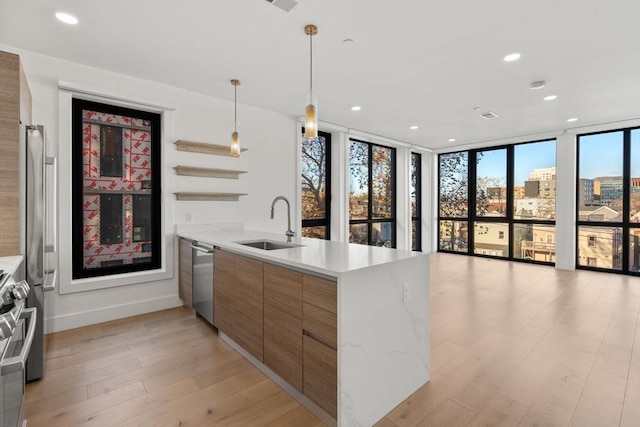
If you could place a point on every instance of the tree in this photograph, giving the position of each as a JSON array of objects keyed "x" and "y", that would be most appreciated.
[
  {"x": 454, "y": 192},
  {"x": 314, "y": 178}
]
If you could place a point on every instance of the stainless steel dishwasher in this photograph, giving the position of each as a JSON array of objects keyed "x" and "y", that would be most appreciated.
[{"x": 202, "y": 267}]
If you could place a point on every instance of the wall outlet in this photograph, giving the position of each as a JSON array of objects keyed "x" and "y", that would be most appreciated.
[
  {"x": 189, "y": 217},
  {"x": 405, "y": 292}
]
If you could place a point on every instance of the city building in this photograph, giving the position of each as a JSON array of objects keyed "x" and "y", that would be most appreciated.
[
  {"x": 600, "y": 247},
  {"x": 608, "y": 189},
  {"x": 543, "y": 174},
  {"x": 585, "y": 192}
]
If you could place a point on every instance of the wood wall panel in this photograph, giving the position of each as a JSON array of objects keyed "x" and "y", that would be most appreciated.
[{"x": 9, "y": 153}]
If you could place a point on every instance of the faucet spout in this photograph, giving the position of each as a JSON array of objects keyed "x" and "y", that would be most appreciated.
[{"x": 289, "y": 233}]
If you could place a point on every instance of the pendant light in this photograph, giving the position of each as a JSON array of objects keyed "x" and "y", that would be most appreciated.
[
  {"x": 235, "y": 139},
  {"x": 311, "y": 110}
]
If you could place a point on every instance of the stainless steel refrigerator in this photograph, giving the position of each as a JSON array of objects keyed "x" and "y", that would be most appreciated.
[{"x": 40, "y": 240}]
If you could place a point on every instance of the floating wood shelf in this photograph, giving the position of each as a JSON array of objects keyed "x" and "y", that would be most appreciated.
[
  {"x": 202, "y": 197},
  {"x": 205, "y": 148},
  {"x": 207, "y": 172}
]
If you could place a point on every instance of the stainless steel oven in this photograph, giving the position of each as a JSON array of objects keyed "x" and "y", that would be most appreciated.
[{"x": 17, "y": 329}]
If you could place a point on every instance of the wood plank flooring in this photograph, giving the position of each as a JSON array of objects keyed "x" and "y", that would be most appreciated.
[{"x": 512, "y": 345}]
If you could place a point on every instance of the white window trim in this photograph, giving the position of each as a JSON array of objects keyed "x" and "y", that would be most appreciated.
[{"x": 67, "y": 285}]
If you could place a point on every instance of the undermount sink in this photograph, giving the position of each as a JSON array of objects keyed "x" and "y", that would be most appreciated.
[{"x": 269, "y": 245}]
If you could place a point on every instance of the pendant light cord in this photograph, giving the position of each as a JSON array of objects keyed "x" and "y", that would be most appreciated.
[
  {"x": 235, "y": 108},
  {"x": 311, "y": 64}
]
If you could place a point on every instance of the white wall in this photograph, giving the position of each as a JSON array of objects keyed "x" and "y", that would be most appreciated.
[{"x": 270, "y": 161}]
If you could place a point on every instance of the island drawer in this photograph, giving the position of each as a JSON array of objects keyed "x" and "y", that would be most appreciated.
[
  {"x": 320, "y": 374},
  {"x": 320, "y": 292},
  {"x": 320, "y": 324}
]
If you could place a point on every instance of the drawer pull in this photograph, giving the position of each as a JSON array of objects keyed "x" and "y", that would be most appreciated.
[{"x": 319, "y": 339}]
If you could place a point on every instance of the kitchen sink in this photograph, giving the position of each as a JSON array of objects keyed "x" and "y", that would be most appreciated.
[{"x": 269, "y": 245}]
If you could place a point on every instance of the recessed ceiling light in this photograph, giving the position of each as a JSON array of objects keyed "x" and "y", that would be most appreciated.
[
  {"x": 356, "y": 108},
  {"x": 452, "y": 140},
  {"x": 512, "y": 57},
  {"x": 550, "y": 97},
  {"x": 413, "y": 127},
  {"x": 573, "y": 119},
  {"x": 66, "y": 18}
]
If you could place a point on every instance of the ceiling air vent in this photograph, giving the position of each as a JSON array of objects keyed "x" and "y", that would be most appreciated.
[
  {"x": 286, "y": 5},
  {"x": 489, "y": 115}
]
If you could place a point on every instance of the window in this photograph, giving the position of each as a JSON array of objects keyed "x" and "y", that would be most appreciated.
[
  {"x": 316, "y": 186},
  {"x": 372, "y": 194},
  {"x": 115, "y": 190},
  {"x": 416, "y": 201},
  {"x": 608, "y": 201},
  {"x": 512, "y": 192}
]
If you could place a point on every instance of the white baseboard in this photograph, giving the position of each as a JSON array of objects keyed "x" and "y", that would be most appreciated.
[{"x": 114, "y": 312}]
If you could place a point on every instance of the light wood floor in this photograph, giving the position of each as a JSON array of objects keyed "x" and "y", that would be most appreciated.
[{"x": 511, "y": 345}]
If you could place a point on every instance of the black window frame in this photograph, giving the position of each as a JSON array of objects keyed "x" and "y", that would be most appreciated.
[
  {"x": 326, "y": 221},
  {"x": 416, "y": 220},
  {"x": 77, "y": 191},
  {"x": 370, "y": 221},
  {"x": 625, "y": 224},
  {"x": 472, "y": 218}
]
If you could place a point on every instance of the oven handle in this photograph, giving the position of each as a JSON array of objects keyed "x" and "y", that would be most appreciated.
[{"x": 15, "y": 364}]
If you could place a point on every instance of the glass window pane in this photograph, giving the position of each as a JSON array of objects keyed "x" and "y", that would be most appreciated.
[
  {"x": 110, "y": 151},
  {"x": 634, "y": 206},
  {"x": 453, "y": 173},
  {"x": 534, "y": 191},
  {"x": 634, "y": 249},
  {"x": 535, "y": 242},
  {"x": 382, "y": 234},
  {"x": 314, "y": 232},
  {"x": 454, "y": 236},
  {"x": 314, "y": 177},
  {"x": 382, "y": 182},
  {"x": 141, "y": 217},
  {"x": 491, "y": 183},
  {"x": 600, "y": 181},
  {"x": 600, "y": 247},
  {"x": 110, "y": 219},
  {"x": 415, "y": 185},
  {"x": 491, "y": 238},
  {"x": 358, "y": 233},
  {"x": 358, "y": 180}
]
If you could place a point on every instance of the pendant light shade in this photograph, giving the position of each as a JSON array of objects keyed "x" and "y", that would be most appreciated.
[
  {"x": 235, "y": 139},
  {"x": 311, "y": 109}
]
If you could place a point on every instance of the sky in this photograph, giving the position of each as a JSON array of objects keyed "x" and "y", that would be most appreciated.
[{"x": 527, "y": 158}]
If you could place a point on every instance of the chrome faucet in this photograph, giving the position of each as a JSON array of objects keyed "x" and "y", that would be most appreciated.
[{"x": 289, "y": 232}]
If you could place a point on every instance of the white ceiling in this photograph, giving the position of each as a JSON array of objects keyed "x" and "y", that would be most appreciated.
[{"x": 427, "y": 63}]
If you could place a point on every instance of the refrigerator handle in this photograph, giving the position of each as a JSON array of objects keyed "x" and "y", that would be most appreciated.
[{"x": 50, "y": 208}]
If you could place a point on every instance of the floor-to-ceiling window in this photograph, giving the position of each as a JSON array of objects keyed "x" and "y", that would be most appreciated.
[
  {"x": 608, "y": 201},
  {"x": 316, "y": 186},
  {"x": 505, "y": 196},
  {"x": 416, "y": 202},
  {"x": 372, "y": 190}
]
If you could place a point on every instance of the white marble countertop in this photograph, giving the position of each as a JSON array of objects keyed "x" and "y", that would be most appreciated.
[
  {"x": 10, "y": 263},
  {"x": 321, "y": 256}
]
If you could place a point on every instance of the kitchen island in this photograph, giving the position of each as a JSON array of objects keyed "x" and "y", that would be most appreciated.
[{"x": 381, "y": 315}]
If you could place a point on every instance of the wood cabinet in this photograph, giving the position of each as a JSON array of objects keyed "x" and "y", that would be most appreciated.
[
  {"x": 320, "y": 356},
  {"x": 283, "y": 323},
  {"x": 15, "y": 108},
  {"x": 238, "y": 300},
  {"x": 185, "y": 273},
  {"x": 284, "y": 318}
]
